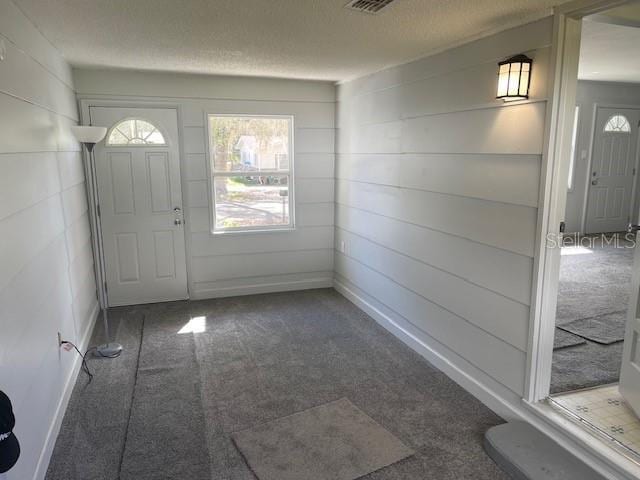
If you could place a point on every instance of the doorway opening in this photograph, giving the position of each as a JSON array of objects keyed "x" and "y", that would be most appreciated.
[{"x": 596, "y": 302}]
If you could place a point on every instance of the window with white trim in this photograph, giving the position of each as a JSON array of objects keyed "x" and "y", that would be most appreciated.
[
  {"x": 251, "y": 160},
  {"x": 135, "y": 131},
  {"x": 617, "y": 123}
]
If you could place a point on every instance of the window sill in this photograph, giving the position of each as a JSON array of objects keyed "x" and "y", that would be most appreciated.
[{"x": 224, "y": 233}]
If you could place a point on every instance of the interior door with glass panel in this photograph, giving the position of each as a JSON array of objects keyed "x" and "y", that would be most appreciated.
[
  {"x": 613, "y": 161},
  {"x": 140, "y": 204}
]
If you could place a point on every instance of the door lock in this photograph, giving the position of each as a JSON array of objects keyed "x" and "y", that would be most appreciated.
[
  {"x": 178, "y": 213},
  {"x": 631, "y": 228},
  {"x": 594, "y": 182}
]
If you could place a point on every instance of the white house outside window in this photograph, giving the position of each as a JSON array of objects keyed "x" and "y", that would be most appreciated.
[{"x": 251, "y": 161}]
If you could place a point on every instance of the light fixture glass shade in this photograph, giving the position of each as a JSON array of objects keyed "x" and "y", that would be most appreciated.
[
  {"x": 514, "y": 77},
  {"x": 87, "y": 134}
]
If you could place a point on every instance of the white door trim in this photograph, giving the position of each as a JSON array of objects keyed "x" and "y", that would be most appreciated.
[
  {"x": 551, "y": 207},
  {"x": 85, "y": 104}
]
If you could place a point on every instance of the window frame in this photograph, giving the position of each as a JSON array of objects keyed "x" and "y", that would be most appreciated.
[
  {"x": 212, "y": 175},
  {"x": 129, "y": 145}
]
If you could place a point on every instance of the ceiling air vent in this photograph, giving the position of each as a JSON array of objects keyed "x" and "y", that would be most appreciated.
[{"x": 368, "y": 6}]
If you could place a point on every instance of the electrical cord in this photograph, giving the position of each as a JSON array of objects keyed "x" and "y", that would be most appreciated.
[{"x": 85, "y": 367}]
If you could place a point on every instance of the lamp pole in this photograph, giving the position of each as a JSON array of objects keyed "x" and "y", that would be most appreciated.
[
  {"x": 89, "y": 136},
  {"x": 109, "y": 349}
]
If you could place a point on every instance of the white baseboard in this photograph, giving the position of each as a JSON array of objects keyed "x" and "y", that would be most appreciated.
[
  {"x": 54, "y": 428},
  {"x": 573, "y": 438},
  {"x": 253, "y": 289}
]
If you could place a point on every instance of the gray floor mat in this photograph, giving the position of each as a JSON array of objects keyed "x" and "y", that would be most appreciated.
[
  {"x": 603, "y": 329},
  {"x": 564, "y": 339},
  {"x": 334, "y": 441}
]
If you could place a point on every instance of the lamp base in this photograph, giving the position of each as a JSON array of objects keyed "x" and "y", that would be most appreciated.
[{"x": 109, "y": 350}]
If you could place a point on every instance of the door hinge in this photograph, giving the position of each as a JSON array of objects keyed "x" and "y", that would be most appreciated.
[
  {"x": 562, "y": 227},
  {"x": 98, "y": 210},
  {"x": 633, "y": 172},
  {"x": 105, "y": 287}
]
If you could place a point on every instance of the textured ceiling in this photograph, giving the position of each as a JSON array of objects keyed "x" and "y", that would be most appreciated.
[
  {"x": 315, "y": 39},
  {"x": 609, "y": 53}
]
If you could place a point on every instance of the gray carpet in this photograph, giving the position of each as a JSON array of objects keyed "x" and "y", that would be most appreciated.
[
  {"x": 168, "y": 406},
  {"x": 334, "y": 441},
  {"x": 591, "y": 285}
]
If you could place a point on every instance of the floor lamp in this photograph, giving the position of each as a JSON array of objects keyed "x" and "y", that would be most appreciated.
[{"x": 89, "y": 136}]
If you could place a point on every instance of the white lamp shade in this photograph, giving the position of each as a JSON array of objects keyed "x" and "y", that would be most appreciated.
[{"x": 86, "y": 134}]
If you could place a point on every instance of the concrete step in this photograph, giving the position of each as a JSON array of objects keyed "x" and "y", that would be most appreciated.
[{"x": 525, "y": 453}]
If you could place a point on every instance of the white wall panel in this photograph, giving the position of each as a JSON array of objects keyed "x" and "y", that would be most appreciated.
[
  {"x": 315, "y": 165},
  {"x": 195, "y": 166},
  {"x": 208, "y": 269},
  {"x": 493, "y": 313},
  {"x": 15, "y": 194},
  {"x": 436, "y": 201},
  {"x": 303, "y": 238},
  {"x": 254, "y": 285},
  {"x": 216, "y": 263},
  {"x": 501, "y": 178},
  {"x": 21, "y": 32},
  {"x": 501, "y": 271},
  {"x": 71, "y": 168},
  {"x": 46, "y": 265},
  {"x": 314, "y": 140},
  {"x": 307, "y": 114},
  {"x": 202, "y": 88},
  {"x": 511, "y": 227}
]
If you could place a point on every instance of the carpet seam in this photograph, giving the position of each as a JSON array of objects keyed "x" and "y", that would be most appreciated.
[{"x": 133, "y": 394}]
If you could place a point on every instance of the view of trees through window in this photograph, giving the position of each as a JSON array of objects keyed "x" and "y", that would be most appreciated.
[{"x": 250, "y": 162}]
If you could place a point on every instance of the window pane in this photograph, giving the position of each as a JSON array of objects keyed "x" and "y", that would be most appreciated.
[
  {"x": 251, "y": 201},
  {"x": 574, "y": 136},
  {"x": 135, "y": 132},
  {"x": 249, "y": 144},
  {"x": 618, "y": 123}
]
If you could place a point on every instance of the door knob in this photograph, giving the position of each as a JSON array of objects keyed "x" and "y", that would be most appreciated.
[
  {"x": 177, "y": 221},
  {"x": 177, "y": 210},
  {"x": 631, "y": 228},
  {"x": 594, "y": 182}
]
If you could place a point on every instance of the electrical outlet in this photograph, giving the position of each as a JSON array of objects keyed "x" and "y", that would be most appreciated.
[
  {"x": 342, "y": 247},
  {"x": 59, "y": 340}
]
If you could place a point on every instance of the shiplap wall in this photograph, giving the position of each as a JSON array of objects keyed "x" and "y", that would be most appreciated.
[
  {"x": 46, "y": 267},
  {"x": 589, "y": 95},
  {"x": 225, "y": 265},
  {"x": 436, "y": 205}
]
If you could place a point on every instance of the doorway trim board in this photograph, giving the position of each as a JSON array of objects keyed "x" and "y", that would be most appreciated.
[
  {"x": 88, "y": 101},
  {"x": 551, "y": 210},
  {"x": 592, "y": 137}
]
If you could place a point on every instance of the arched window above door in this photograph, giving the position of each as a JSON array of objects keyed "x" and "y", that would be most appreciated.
[
  {"x": 135, "y": 131},
  {"x": 617, "y": 123}
]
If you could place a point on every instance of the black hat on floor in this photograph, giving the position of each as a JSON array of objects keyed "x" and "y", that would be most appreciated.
[{"x": 9, "y": 446}]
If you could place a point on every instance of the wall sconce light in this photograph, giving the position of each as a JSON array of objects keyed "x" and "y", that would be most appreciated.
[{"x": 514, "y": 77}]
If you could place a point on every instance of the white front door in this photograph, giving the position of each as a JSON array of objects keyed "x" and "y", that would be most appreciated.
[
  {"x": 610, "y": 202},
  {"x": 630, "y": 371},
  {"x": 140, "y": 205}
]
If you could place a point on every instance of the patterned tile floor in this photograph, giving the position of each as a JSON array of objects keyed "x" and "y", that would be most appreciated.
[{"x": 604, "y": 409}]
